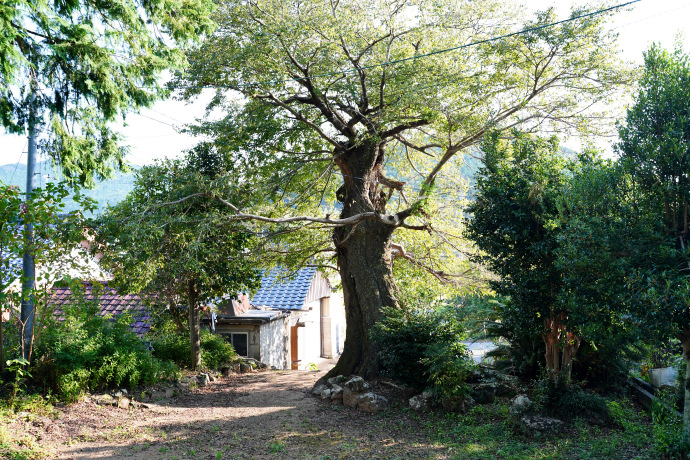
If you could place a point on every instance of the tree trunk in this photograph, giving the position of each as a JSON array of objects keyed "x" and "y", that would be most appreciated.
[
  {"x": 364, "y": 259},
  {"x": 561, "y": 346},
  {"x": 194, "y": 326},
  {"x": 685, "y": 341}
]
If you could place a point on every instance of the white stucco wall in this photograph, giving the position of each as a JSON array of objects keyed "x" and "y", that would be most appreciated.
[
  {"x": 275, "y": 342},
  {"x": 309, "y": 337},
  {"x": 337, "y": 323}
]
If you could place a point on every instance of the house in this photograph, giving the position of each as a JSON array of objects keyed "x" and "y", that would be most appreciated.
[
  {"x": 288, "y": 324},
  {"x": 77, "y": 264},
  {"x": 110, "y": 302}
]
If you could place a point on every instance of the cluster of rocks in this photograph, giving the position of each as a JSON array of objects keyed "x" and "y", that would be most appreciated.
[
  {"x": 534, "y": 426},
  {"x": 118, "y": 398},
  {"x": 352, "y": 392},
  {"x": 484, "y": 385},
  {"x": 242, "y": 366}
]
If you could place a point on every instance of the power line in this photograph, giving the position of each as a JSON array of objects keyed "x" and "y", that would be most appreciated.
[
  {"x": 20, "y": 159},
  {"x": 652, "y": 17},
  {"x": 163, "y": 122},
  {"x": 412, "y": 58}
]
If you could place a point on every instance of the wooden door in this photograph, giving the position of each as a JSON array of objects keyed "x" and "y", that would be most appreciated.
[{"x": 293, "y": 347}]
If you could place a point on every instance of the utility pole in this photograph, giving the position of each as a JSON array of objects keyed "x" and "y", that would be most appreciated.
[{"x": 29, "y": 273}]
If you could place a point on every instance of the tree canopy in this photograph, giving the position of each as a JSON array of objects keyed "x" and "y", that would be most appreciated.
[
  {"x": 76, "y": 66},
  {"x": 182, "y": 252},
  {"x": 367, "y": 108}
]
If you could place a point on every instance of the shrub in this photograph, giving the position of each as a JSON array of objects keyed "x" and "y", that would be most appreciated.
[
  {"x": 89, "y": 352},
  {"x": 172, "y": 346},
  {"x": 169, "y": 344},
  {"x": 423, "y": 349},
  {"x": 563, "y": 399},
  {"x": 215, "y": 350}
]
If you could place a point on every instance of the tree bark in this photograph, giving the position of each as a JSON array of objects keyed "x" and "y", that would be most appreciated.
[
  {"x": 364, "y": 258},
  {"x": 561, "y": 346},
  {"x": 194, "y": 326}
]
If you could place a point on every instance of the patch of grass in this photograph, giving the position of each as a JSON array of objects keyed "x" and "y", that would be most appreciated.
[
  {"x": 483, "y": 433},
  {"x": 276, "y": 447},
  {"x": 15, "y": 446}
]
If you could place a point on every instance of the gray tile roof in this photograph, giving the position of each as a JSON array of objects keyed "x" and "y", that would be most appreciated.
[
  {"x": 284, "y": 294},
  {"x": 109, "y": 302}
]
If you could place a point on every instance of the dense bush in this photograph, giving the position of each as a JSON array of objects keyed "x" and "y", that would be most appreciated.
[
  {"x": 169, "y": 344},
  {"x": 215, "y": 350},
  {"x": 88, "y": 352},
  {"x": 567, "y": 400},
  {"x": 423, "y": 349}
]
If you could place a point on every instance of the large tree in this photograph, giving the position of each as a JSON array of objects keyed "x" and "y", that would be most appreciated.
[
  {"x": 177, "y": 251},
  {"x": 311, "y": 88},
  {"x": 655, "y": 149},
  {"x": 514, "y": 222}
]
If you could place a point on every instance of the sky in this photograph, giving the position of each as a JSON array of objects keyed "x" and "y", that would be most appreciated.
[{"x": 153, "y": 134}]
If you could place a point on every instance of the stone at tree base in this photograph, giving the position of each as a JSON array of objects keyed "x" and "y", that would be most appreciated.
[
  {"x": 104, "y": 400},
  {"x": 318, "y": 389},
  {"x": 372, "y": 403},
  {"x": 356, "y": 385},
  {"x": 326, "y": 394},
  {"x": 538, "y": 426},
  {"x": 421, "y": 402},
  {"x": 169, "y": 392},
  {"x": 336, "y": 393},
  {"x": 520, "y": 404},
  {"x": 352, "y": 389},
  {"x": 337, "y": 380},
  {"x": 203, "y": 379}
]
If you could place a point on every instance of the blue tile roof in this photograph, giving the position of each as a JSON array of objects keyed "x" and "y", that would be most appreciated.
[{"x": 276, "y": 292}]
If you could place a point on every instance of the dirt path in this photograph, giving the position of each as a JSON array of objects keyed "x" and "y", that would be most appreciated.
[{"x": 252, "y": 416}]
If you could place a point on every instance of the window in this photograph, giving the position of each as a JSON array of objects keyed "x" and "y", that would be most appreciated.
[{"x": 239, "y": 341}]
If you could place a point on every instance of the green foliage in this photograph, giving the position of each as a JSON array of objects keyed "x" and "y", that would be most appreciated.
[
  {"x": 566, "y": 400},
  {"x": 423, "y": 349},
  {"x": 171, "y": 346},
  {"x": 514, "y": 222},
  {"x": 87, "y": 351},
  {"x": 18, "y": 367},
  {"x": 53, "y": 237},
  {"x": 86, "y": 64},
  {"x": 173, "y": 239},
  {"x": 523, "y": 350},
  {"x": 447, "y": 365},
  {"x": 668, "y": 427},
  {"x": 215, "y": 350}
]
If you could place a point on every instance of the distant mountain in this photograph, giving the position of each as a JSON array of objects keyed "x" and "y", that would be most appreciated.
[{"x": 109, "y": 192}]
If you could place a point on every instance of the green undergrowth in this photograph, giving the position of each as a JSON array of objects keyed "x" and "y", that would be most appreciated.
[
  {"x": 16, "y": 443},
  {"x": 485, "y": 433}
]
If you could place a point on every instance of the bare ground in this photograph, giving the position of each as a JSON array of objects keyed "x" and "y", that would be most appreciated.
[{"x": 260, "y": 415}]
